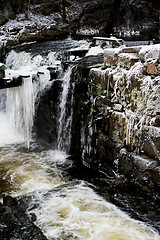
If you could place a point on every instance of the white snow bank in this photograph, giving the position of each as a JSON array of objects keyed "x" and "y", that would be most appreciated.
[
  {"x": 150, "y": 51},
  {"x": 93, "y": 51},
  {"x": 112, "y": 51}
]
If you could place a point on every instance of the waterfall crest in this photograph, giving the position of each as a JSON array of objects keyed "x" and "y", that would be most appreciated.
[{"x": 18, "y": 104}]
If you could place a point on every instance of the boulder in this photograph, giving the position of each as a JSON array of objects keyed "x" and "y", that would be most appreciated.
[
  {"x": 127, "y": 60},
  {"x": 150, "y": 142},
  {"x": 151, "y": 69},
  {"x": 111, "y": 57},
  {"x": 140, "y": 170},
  {"x": 47, "y": 33}
]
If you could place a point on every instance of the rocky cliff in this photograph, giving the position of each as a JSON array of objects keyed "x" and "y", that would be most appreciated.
[
  {"x": 116, "y": 115},
  {"x": 124, "y": 122}
]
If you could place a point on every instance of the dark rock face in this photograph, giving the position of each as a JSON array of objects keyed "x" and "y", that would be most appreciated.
[
  {"x": 108, "y": 142},
  {"x": 124, "y": 118},
  {"x": 47, "y": 8},
  {"x": 15, "y": 223},
  {"x": 140, "y": 16},
  {"x": 138, "y": 19},
  {"x": 45, "y": 122}
]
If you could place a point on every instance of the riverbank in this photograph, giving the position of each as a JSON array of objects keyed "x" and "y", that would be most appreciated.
[{"x": 121, "y": 133}]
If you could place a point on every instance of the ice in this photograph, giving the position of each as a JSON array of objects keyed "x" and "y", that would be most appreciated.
[
  {"x": 93, "y": 51},
  {"x": 136, "y": 70},
  {"x": 150, "y": 51}
]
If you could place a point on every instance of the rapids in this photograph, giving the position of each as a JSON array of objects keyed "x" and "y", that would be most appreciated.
[{"x": 61, "y": 207}]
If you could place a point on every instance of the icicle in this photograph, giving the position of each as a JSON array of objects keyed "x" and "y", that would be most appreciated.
[{"x": 131, "y": 128}]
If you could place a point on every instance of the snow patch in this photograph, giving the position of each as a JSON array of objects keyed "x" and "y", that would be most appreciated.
[{"x": 93, "y": 51}]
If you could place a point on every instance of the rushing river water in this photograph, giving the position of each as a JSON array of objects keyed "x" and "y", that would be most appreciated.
[{"x": 60, "y": 207}]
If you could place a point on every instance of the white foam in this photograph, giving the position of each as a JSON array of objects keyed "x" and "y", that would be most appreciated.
[{"x": 77, "y": 212}]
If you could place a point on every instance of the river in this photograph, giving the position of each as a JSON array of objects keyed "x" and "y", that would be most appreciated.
[{"x": 63, "y": 208}]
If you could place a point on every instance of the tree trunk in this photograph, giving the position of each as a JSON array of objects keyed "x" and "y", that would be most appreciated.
[{"x": 64, "y": 11}]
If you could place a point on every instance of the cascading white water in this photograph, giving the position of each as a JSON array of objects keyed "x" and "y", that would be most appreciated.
[
  {"x": 18, "y": 103},
  {"x": 63, "y": 209},
  {"x": 64, "y": 121}
]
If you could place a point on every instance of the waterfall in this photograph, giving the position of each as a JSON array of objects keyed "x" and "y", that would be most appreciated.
[
  {"x": 18, "y": 111},
  {"x": 65, "y": 116},
  {"x": 17, "y": 105}
]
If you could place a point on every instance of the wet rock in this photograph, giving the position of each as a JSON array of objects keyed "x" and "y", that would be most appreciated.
[
  {"x": 2, "y": 71},
  {"x": 142, "y": 171},
  {"x": 98, "y": 77},
  {"x": 125, "y": 114},
  {"x": 9, "y": 83},
  {"x": 3, "y": 20},
  {"x": 91, "y": 61},
  {"x": 143, "y": 164},
  {"x": 150, "y": 142},
  {"x": 11, "y": 42},
  {"x": 53, "y": 72},
  {"x": 117, "y": 127},
  {"x": 45, "y": 121},
  {"x": 156, "y": 121},
  {"x": 15, "y": 223},
  {"x": 156, "y": 175},
  {"x": 54, "y": 32},
  {"x": 74, "y": 54}
]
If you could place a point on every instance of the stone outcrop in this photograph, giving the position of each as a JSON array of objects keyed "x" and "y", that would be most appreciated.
[
  {"x": 15, "y": 222},
  {"x": 125, "y": 96},
  {"x": 116, "y": 115},
  {"x": 127, "y": 19},
  {"x": 44, "y": 34}
]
